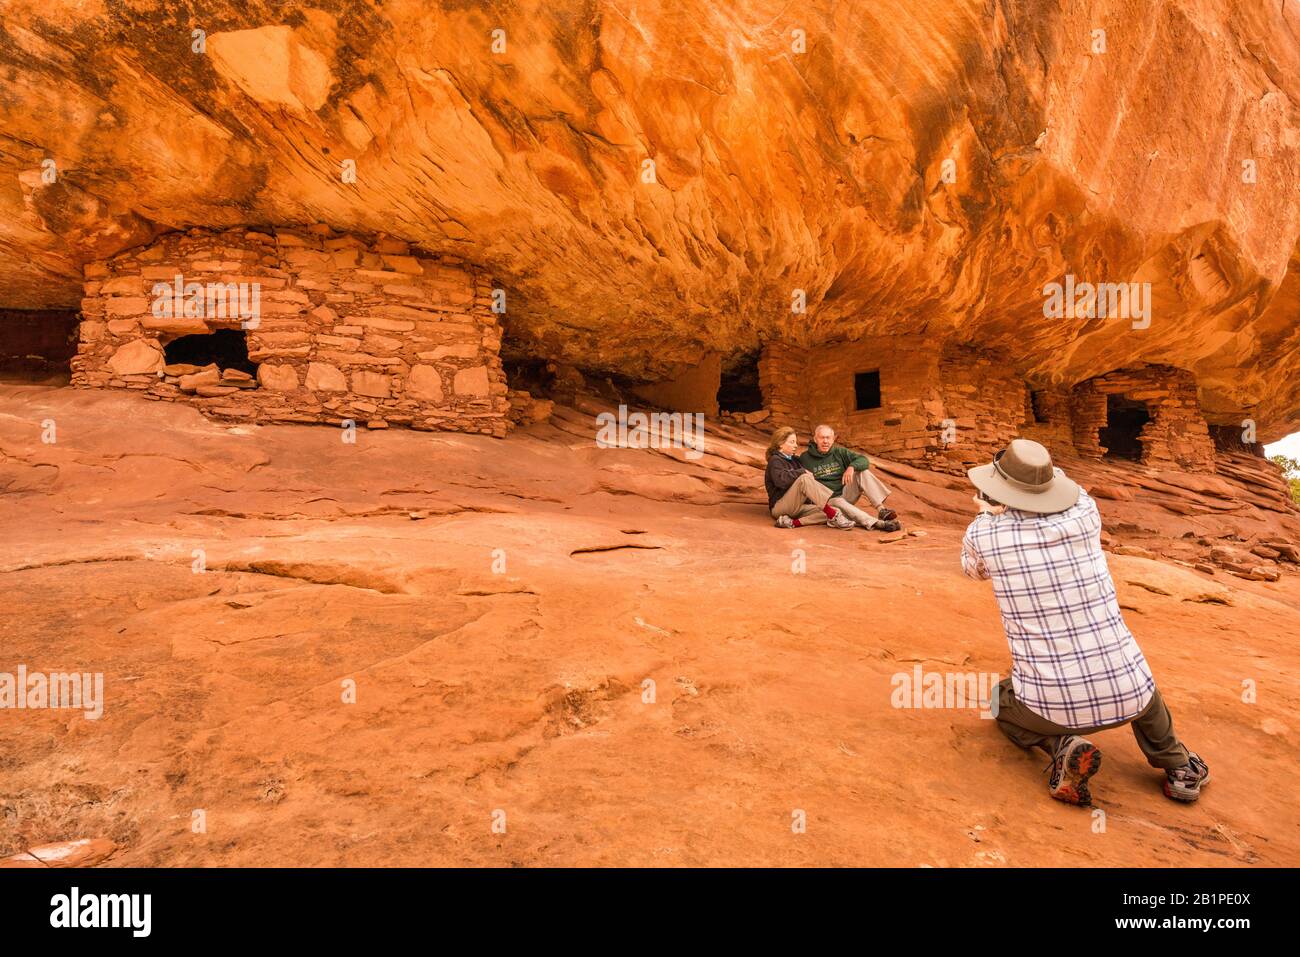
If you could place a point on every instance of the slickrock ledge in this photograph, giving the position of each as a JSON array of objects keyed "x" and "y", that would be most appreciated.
[{"x": 501, "y": 643}]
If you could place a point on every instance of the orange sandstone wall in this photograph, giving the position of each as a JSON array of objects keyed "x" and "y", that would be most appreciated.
[
  {"x": 782, "y": 370},
  {"x": 694, "y": 390},
  {"x": 985, "y": 402},
  {"x": 1047, "y": 420},
  {"x": 376, "y": 332},
  {"x": 940, "y": 407},
  {"x": 906, "y": 426}
]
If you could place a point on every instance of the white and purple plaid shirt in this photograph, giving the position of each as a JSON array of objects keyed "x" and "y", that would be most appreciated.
[{"x": 1073, "y": 660}]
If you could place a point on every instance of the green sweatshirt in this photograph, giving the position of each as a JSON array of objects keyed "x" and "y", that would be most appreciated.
[{"x": 829, "y": 468}]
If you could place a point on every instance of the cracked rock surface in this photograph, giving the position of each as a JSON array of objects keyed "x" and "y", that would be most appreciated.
[{"x": 499, "y": 648}]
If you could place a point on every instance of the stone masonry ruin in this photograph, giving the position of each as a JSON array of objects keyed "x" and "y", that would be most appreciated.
[
  {"x": 899, "y": 396},
  {"x": 950, "y": 407},
  {"x": 297, "y": 325},
  {"x": 1148, "y": 414},
  {"x": 310, "y": 325}
]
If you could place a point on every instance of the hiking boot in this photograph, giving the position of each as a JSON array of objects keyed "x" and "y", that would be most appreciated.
[
  {"x": 1076, "y": 759},
  {"x": 887, "y": 525},
  {"x": 785, "y": 521},
  {"x": 887, "y": 514},
  {"x": 1184, "y": 784},
  {"x": 842, "y": 521}
]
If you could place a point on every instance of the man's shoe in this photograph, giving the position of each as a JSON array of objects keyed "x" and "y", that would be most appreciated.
[
  {"x": 785, "y": 521},
  {"x": 887, "y": 514},
  {"x": 1076, "y": 759},
  {"x": 842, "y": 521},
  {"x": 1185, "y": 783},
  {"x": 889, "y": 525}
]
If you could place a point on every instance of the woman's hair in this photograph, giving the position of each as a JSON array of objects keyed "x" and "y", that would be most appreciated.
[{"x": 778, "y": 438}]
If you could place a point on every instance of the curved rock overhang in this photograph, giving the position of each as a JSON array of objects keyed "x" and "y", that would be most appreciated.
[{"x": 654, "y": 182}]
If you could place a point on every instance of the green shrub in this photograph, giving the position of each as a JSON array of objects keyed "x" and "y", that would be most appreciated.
[{"x": 1291, "y": 472}]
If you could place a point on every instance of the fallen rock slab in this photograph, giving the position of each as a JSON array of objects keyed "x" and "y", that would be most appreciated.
[{"x": 84, "y": 852}]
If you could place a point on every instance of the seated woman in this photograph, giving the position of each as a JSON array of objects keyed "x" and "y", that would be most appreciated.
[{"x": 794, "y": 496}]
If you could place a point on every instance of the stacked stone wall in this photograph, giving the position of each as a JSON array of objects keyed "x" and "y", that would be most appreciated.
[
  {"x": 986, "y": 403},
  {"x": 951, "y": 408},
  {"x": 1176, "y": 434},
  {"x": 344, "y": 328},
  {"x": 782, "y": 370},
  {"x": 943, "y": 408}
]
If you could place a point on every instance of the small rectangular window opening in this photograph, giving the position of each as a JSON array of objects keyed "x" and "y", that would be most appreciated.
[{"x": 866, "y": 389}]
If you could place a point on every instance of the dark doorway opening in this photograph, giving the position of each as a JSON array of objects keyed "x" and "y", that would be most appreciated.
[
  {"x": 866, "y": 390},
  {"x": 738, "y": 390},
  {"x": 1124, "y": 421},
  {"x": 1229, "y": 438},
  {"x": 528, "y": 375},
  {"x": 1036, "y": 404},
  {"x": 37, "y": 345},
  {"x": 228, "y": 348}
]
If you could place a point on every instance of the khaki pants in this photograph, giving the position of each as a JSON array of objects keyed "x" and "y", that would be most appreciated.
[
  {"x": 1153, "y": 728},
  {"x": 864, "y": 483},
  {"x": 804, "y": 500}
]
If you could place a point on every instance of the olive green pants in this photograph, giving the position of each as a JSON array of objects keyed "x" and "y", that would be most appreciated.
[{"x": 1153, "y": 728}]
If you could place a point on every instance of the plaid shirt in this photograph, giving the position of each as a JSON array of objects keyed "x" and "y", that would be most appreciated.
[{"x": 1073, "y": 659}]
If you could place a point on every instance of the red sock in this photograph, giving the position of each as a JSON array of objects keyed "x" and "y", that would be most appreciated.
[
  {"x": 830, "y": 512},
  {"x": 798, "y": 524}
]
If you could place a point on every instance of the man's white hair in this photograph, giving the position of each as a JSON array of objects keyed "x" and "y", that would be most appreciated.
[{"x": 821, "y": 426}]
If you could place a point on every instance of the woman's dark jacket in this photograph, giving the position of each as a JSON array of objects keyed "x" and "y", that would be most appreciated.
[{"x": 780, "y": 475}]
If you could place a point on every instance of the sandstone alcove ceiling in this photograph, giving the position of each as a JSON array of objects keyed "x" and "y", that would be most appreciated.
[{"x": 918, "y": 167}]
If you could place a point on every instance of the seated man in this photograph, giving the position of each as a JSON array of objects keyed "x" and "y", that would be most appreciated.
[
  {"x": 794, "y": 497},
  {"x": 848, "y": 477},
  {"x": 1075, "y": 668}
]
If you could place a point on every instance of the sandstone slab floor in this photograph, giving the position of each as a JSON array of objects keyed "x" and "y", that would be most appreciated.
[{"x": 233, "y": 583}]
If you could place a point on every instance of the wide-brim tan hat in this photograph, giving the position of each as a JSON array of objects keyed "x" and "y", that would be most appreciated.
[{"x": 1022, "y": 476}]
